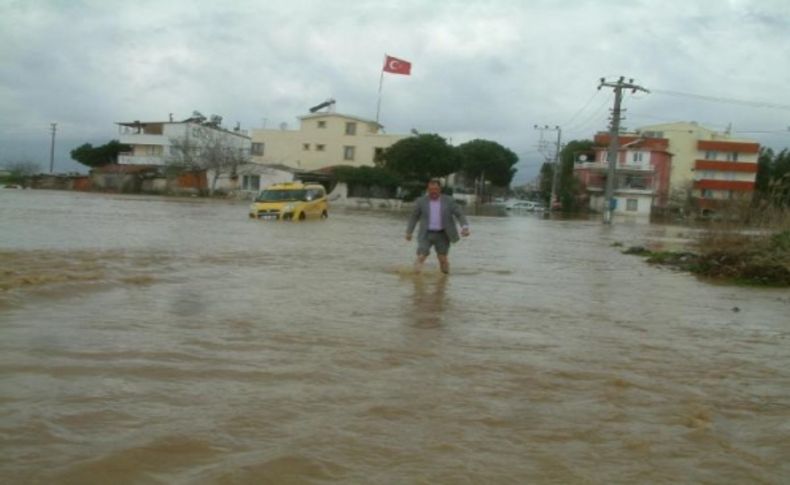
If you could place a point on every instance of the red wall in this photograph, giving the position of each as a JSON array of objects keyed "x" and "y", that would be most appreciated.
[
  {"x": 728, "y": 146},
  {"x": 192, "y": 180},
  {"x": 724, "y": 185},
  {"x": 725, "y": 166},
  {"x": 81, "y": 183}
]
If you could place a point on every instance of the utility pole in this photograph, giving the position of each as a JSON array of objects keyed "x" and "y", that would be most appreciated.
[
  {"x": 614, "y": 140},
  {"x": 556, "y": 170},
  {"x": 52, "y": 148}
]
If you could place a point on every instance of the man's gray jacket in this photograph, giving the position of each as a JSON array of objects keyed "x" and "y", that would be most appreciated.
[{"x": 450, "y": 210}]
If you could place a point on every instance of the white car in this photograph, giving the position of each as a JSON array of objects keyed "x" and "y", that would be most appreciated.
[{"x": 526, "y": 205}]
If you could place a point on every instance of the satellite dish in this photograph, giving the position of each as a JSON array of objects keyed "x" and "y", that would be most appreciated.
[{"x": 583, "y": 157}]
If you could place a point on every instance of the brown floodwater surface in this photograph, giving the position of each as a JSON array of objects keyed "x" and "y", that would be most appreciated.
[{"x": 153, "y": 340}]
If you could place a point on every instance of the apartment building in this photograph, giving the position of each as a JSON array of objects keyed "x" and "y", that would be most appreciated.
[
  {"x": 669, "y": 162},
  {"x": 152, "y": 142},
  {"x": 642, "y": 174},
  {"x": 322, "y": 140},
  {"x": 714, "y": 166}
]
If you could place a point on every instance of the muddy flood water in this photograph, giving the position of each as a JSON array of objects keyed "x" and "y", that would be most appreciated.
[{"x": 174, "y": 341}]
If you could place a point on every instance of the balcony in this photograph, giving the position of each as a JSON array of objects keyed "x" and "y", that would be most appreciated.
[
  {"x": 621, "y": 168},
  {"x": 143, "y": 139},
  {"x": 128, "y": 158},
  {"x": 728, "y": 146},
  {"x": 737, "y": 185},
  {"x": 725, "y": 166}
]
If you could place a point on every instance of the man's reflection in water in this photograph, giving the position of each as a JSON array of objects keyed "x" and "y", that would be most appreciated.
[{"x": 429, "y": 300}]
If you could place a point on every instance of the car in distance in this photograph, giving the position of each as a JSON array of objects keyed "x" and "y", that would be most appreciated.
[
  {"x": 290, "y": 201},
  {"x": 525, "y": 206}
]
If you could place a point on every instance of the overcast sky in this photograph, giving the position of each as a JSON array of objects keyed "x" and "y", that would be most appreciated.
[{"x": 480, "y": 69}]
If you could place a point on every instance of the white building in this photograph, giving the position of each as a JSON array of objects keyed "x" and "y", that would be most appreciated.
[
  {"x": 152, "y": 142},
  {"x": 322, "y": 140},
  {"x": 250, "y": 178}
]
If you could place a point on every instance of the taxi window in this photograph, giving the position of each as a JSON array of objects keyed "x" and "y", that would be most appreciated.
[
  {"x": 279, "y": 195},
  {"x": 314, "y": 194}
]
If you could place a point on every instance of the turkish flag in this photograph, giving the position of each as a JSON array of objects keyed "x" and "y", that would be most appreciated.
[{"x": 397, "y": 66}]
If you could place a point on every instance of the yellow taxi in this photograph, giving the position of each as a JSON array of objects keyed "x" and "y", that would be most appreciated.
[{"x": 290, "y": 201}]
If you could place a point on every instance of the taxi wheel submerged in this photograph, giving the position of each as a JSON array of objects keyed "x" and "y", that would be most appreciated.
[
  {"x": 302, "y": 216},
  {"x": 324, "y": 215}
]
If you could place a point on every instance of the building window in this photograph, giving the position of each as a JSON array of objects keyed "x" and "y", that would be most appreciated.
[
  {"x": 152, "y": 150},
  {"x": 732, "y": 156},
  {"x": 251, "y": 182},
  {"x": 305, "y": 146},
  {"x": 348, "y": 153},
  {"x": 319, "y": 147},
  {"x": 322, "y": 124},
  {"x": 711, "y": 155},
  {"x": 378, "y": 155},
  {"x": 351, "y": 128},
  {"x": 257, "y": 149},
  {"x": 707, "y": 194},
  {"x": 631, "y": 205},
  {"x": 636, "y": 157}
]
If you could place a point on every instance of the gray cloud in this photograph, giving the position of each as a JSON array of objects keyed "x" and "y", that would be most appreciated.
[{"x": 489, "y": 69}]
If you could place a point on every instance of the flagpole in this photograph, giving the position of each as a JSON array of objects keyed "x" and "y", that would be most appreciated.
[{"x": 381, "y": 82}]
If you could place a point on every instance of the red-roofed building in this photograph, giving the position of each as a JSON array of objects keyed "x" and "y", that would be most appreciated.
[
  {"x": 671, "y": 163},
  {"x": 642, "y": 174}
]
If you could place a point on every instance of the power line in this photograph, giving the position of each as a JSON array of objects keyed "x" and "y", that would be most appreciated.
[
  {"x": 773, "y": 132},
  {"x": 596, "y": 113},
  {"x": 721, "y": 99},
  {"x": 567, "y": 123}
]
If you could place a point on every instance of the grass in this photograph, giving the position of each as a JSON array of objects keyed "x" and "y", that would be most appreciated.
[{"x": 753, "y": 250}]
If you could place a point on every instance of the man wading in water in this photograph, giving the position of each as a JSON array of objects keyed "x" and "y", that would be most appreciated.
[{"x": 437, "y": 214}]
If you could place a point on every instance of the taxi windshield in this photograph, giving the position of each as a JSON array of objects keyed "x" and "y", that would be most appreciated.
[{"x": 281, "y": 195}]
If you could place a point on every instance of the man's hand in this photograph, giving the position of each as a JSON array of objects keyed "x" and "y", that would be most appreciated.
[
  {"x": 408, "y": 237},
  {"x": 464, "y": 231}
]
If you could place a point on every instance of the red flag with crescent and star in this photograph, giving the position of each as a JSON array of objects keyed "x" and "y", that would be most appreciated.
[{"x": 397, "y": 66}]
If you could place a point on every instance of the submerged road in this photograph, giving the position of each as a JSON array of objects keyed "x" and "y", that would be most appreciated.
[{"x": 153, "y": 340}]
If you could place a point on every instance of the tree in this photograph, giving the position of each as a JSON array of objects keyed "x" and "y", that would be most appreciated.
[
  {"x": 91, "y": 156},
  {"x": 772, "y": 182},
  {"x": 489, "y": 160},
  {"x": 546, "y": 179},
  {"x": 368, "y": 181},
  {"x": 20, "y": 171},
  {"x": 368, "y": 176},
  {"x": 209, "y": 148},
  {"x": 422, "y": 157},
  {"x": 764, "y": 173},
  {"x": 568, "y": 186},
  {"x": 681, "y": 197}
]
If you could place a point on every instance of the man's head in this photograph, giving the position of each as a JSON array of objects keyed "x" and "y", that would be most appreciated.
[{"x": 434, "y": 188}]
